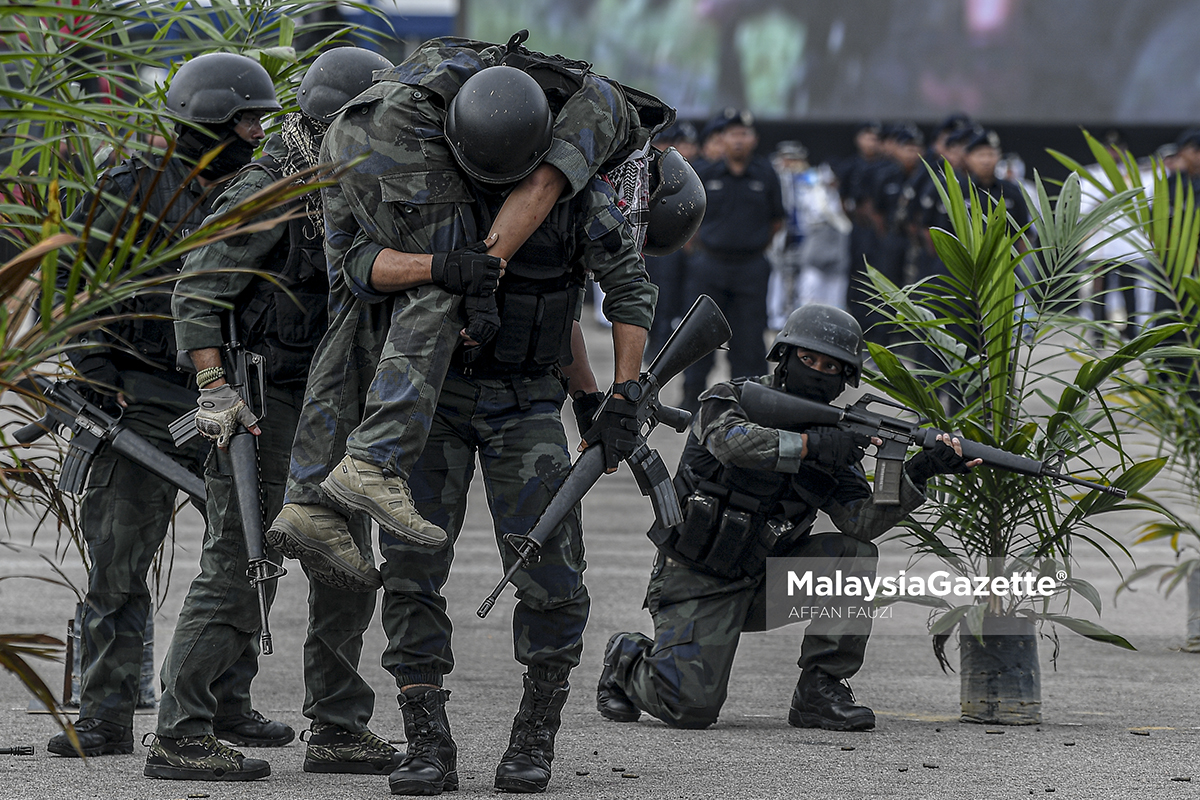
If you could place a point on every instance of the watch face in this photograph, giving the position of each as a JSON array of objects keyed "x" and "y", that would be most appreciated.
[{"x": 632, "y": 390}]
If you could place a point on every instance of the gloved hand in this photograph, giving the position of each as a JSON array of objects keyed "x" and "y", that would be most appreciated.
[
  {"x": 584, "y": 405},
  {"x": 937, "y": 460},
  {"x": 616, "y": 428},
  {"x": 483, "y": 318},
  {"x": 221, "y": 411},
  {"x": 832, "y": 448},
  {"x": 469, "y": 271}
]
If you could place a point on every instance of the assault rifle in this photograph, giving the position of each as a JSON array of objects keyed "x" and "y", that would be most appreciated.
[
  {"x": 91, "y": 428},
  {"x": 702, "y": 330},
  {"x": 244, "y": 371},
  {"x": 775, "y": 408}
]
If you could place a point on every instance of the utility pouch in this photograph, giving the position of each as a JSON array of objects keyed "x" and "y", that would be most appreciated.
[
  {"x": 733, "y": 536},
  {"x": 701, "y": 517}
]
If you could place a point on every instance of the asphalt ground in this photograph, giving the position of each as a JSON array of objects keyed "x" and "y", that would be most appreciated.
[{"x": 1116, "y": 724}]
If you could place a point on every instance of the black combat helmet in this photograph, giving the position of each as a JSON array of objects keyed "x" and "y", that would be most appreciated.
[
  {"x": 826, "y": 330},
  {"x": 677, "y": 203},
  {"x": 499, "y": 125},
  {"x": 215, "y": 87},
  {"x": 337, "y": 77}
]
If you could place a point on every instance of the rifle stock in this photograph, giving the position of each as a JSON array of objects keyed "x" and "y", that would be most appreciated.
[
  {"x": 702, "y": 330},
  {"x": 775, "y": 408}
]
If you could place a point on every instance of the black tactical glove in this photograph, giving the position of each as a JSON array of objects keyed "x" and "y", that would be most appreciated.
[
  {"x": 616, "y": 428},
  {"x": 469, "y": 271},
  {"x": 937, "y": 460},
  {"x": 585, "y": 405},
  {"x": 832, "y": 448},
  {"x": 483, "y": 318}
]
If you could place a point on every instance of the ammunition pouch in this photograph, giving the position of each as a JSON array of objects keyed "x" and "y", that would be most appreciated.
[{"x": 725, "y": 532}]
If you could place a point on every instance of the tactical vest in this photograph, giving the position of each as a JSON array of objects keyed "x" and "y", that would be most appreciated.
[
  {"x": 560, "y": 78},
  {"x": 734, "y": 517},
  {"x": 146, "y": 317},
  {"x": 538, "y": 298},
  {"x": 285, "y": 329}
]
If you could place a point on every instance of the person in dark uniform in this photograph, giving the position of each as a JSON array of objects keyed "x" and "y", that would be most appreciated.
[
  {"x": 982, "y": 155},
  {"x": 708, "y": 587},
  {"x": 669, "y": 272},
  {"x": 745, "y": 211},
  {"x": 855, "y": 178},
  {"x": 895, "y": 190}
]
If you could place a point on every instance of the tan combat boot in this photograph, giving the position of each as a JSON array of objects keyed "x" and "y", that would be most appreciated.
[
  {"x": 319, "y": 538},
  {"x": 360, "y": 486}
]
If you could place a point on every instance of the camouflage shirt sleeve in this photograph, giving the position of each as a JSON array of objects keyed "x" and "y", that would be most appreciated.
[
  {"x": 595, "y": 123},
  {"x": 724, "y": 429},
  {"x": 854, "y": 512},
  {"x": 612, "y": 257},
  {"x": 220, "y": 271}
]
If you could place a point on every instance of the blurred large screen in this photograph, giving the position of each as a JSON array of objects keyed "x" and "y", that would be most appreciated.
[{"x": 1118, "y": 61}]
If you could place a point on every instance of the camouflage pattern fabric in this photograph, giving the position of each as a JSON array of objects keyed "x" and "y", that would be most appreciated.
[
  {"x": 125, "y": 514},
  {"x": 220, "y": 619},
  {"x": 409, "y": 195},
  {"x": 522, "y": 451},
  {"x": 220, "y": 614},
  {"x": 681, "y": 676}
]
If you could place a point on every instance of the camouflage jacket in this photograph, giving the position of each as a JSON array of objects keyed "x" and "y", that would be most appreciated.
[
  {"x": 219, "y": 271},
  {"x": 725, "y": 431},
  {"x": 408, "y": 194}
]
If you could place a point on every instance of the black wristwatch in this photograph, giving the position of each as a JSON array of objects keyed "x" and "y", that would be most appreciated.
[{"x": 631, "y": 389}]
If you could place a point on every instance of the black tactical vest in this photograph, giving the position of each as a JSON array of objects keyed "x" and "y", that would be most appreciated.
[
  {"x": 538, "y": 298},
  {"x": 734, "y": 517},
  {"x": 286, "y": 329},
  {"x": 170, "y": 213}
]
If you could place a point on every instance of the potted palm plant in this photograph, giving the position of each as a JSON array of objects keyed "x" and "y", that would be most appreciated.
[
  {"x": 1163, "y": 212},
  {"x": 1008, "y": 360}
]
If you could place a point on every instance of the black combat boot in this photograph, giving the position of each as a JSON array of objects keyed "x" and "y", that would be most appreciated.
[
  {"x": 611, "y": 700},
  {"x": 525, "y": 766},
  {"x": 822, "y": 701},
  {"x": 97, "y": 737},
  {"x": 252, "y": 730},
  {"x": 431, "y": 764}
]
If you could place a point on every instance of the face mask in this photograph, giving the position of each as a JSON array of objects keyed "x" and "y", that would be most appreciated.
[
  {"x": 810, "y": 384},
  {"x": 236, "y": 154}
]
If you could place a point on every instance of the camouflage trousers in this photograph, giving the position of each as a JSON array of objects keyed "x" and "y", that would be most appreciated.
[
  {"x": 515, "y": 429},
  {"x": 334, "y": 399},
  {"x": 681, "y": 675},
  {"x": 220, "y": 618},
  {"x": 125, "y": 514}
]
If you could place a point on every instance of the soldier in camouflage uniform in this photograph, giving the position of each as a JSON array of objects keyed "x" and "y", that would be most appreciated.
[
  {"x": 282, "y": 320},
  {"x": 507, "y": 411},
  {"x": 126, "y": 510},
  {"x": 414, "y": 203},
  {"x": 702, "y": 601}
]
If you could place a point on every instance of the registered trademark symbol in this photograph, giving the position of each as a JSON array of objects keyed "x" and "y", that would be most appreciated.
[{"x": 1061, "y": 575}]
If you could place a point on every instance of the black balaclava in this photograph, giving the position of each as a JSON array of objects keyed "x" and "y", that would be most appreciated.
[
  {"x": 804, "y": 381},
  {"x": 237, "y": 153}
]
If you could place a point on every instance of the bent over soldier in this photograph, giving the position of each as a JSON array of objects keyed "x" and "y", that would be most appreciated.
[
  {"x": 702, "y": 600},
  {"x": 281, "y": 318},
  {"x": 130, "y": 364}
]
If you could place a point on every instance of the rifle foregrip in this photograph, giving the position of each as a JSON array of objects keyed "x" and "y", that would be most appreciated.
[{"x": 992, "y": 457}]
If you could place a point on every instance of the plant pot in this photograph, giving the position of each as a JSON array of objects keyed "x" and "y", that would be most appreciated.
[
  {"x": 1001, "y": 678},
  {"x": 1192, "y": 645}
]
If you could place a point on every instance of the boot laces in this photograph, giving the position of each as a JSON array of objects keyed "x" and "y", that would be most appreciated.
[
  {"x": 218, "y": 747},
  {"x": 425, "y": 739},
  {"x": 533, "y": 735},
  {"x": 838, "y": 690}
]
